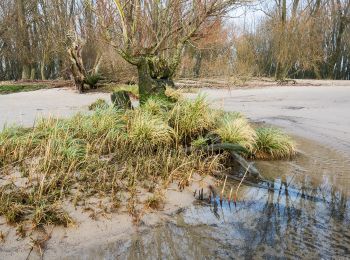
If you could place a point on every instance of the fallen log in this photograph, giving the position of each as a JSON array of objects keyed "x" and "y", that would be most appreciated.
[{"x": 253, "y": 171}]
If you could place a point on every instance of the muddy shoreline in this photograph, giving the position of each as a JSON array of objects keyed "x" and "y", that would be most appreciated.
[
  {"x": 315, "y": 185},
  {"x": 305, "y": 214},
  {"x": 89, "y": 233}
]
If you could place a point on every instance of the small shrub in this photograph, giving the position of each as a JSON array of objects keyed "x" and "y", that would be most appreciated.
[
  {"x": 174, "y": 94},
  {"x": 92, "y": 80},
  {"x": 272, "y": 143}
]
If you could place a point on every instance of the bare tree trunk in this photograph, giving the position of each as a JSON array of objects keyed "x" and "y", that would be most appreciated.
[
  {"x": 42, "y": 66},
  {"x": 32, "y": 73},
  {"x": 154, "y": 76},
  {"x": 42, "y": 71},
  {"x": 26, "y": 72},
  {"x": 295, "y": 8},
  {"x": 22, "y": 26},
  {"x": 333, "y": 68},
  {"x": 280, "y": 66},
  {"x": 77, "y": 66},
  {"x": 198, "y": 63}
]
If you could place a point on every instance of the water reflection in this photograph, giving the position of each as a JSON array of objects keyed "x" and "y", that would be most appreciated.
[
  {"x": 301, "y": 212},
  {"x": 265, "y": 223}
]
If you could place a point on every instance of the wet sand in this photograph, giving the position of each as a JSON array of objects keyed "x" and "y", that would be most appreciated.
[
  {"x": 25, "y": 107},
  {"x": 89, "y": 235},
  {"x": 320, "y": 113},
  {"x": 302, "y": 213}
]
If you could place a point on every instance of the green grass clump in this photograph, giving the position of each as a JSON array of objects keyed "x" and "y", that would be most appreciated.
[
  {"x": 9, "y": 89},
  {"x": 236, "y": 131},
  {"x": 174, "y": 94},
  {"x": 99, "y": 104},
  {"x": 157, "y": 106},
  {"x": 272, "y": 143},
  {"x": 191, "y": 119},
  {"x": 146, "y": 129},
  {"x": 93, "y": 79},
  {"x": 110, "y": 153},
  {"x": 200, "y": 141}
]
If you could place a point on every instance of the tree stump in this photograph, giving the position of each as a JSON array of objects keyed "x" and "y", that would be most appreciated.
[
  {"x": 154, "y": 76},
  {"x": 121, "y": 100}
]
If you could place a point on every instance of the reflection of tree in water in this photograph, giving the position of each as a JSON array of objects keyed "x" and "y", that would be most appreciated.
[
  {"x": 291, "y": 217},
  {"x": 171, "y": 241},
  {"x": 303, "y": 213},
  {"x": 299, "y": 223}
]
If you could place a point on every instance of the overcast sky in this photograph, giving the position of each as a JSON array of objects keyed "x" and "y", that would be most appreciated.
[{"x": 246, "y": 17}]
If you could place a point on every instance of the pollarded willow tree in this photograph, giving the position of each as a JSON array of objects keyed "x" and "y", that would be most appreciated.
[{"x": 154, "y": 33}]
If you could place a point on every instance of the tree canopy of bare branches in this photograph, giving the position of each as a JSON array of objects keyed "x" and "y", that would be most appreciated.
[{"x": 155, "y": 32}]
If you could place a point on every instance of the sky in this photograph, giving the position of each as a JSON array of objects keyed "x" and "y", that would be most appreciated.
[{"x": 246, "y": 17}]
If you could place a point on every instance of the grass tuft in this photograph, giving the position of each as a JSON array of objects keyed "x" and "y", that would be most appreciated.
[
  {"x": 145, "y": 129},
  {"x": 174, "y": 94},
  {"x": 155, "y": 201},
  {"x": 157, "y": 106},
  {"x": 200, "y": 141},
  {"x": 191, "y": 119},
  {"x": 99, "y": 104},
  {"x": 236, "y": 131},
  {"x": 272, "y": 143},
  {"x": 9, "y": 89}
]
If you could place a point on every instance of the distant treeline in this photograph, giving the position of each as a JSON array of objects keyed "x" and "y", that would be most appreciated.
[
  {"x": 294, "y": 39},
  {"x": 299, "y": 39}
]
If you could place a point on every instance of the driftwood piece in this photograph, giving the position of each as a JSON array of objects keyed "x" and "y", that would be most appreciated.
[
  {"x": 252, "y": 170},
  {"x": 121, "y": 99}
]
